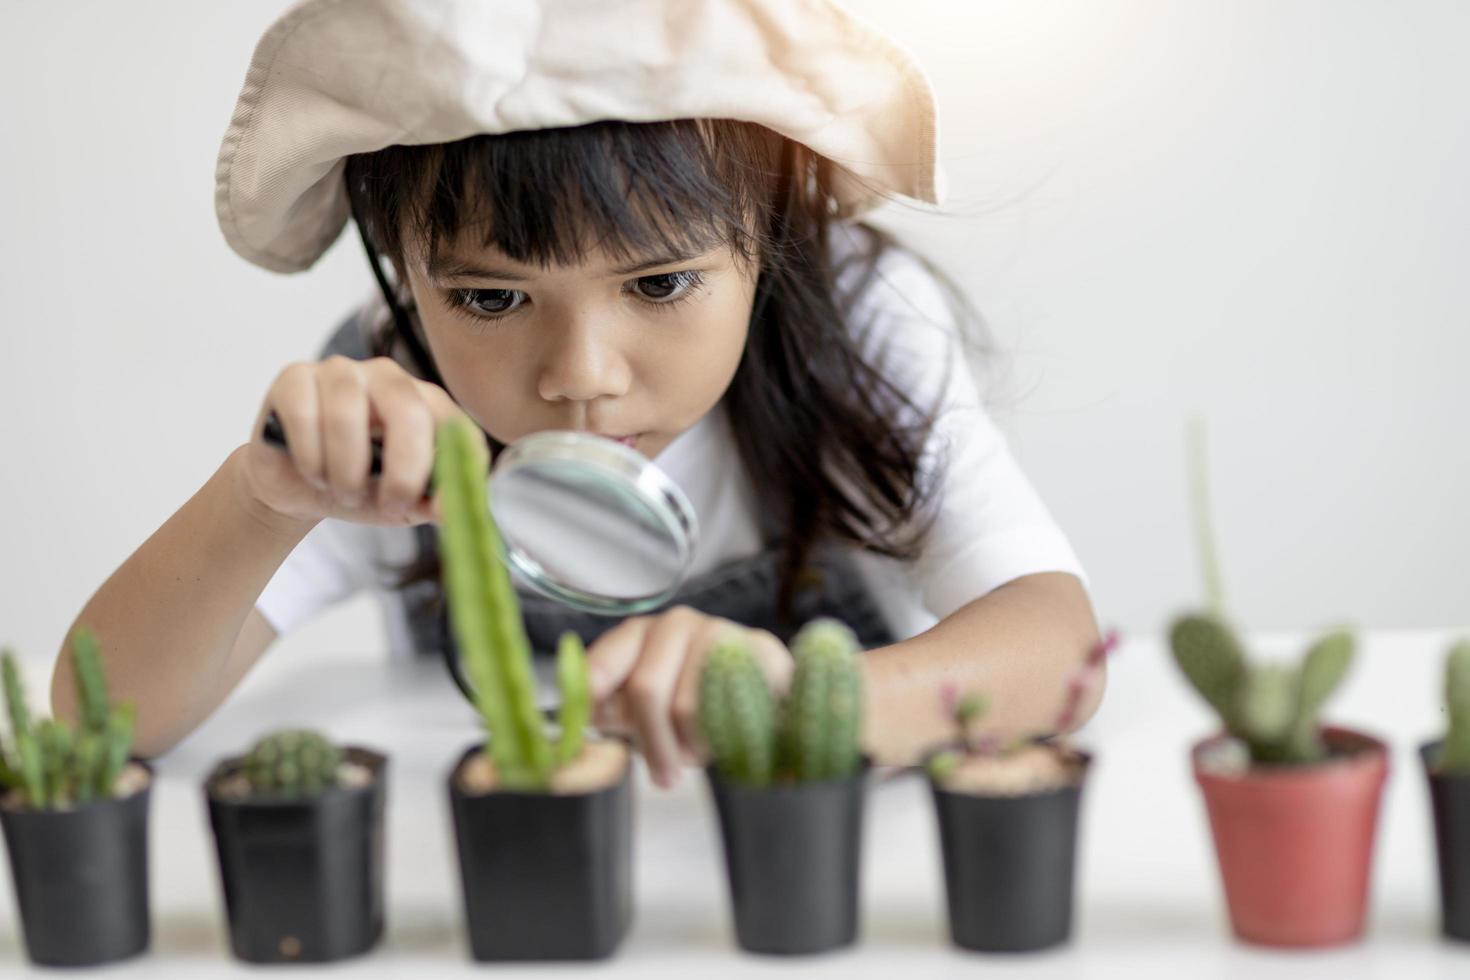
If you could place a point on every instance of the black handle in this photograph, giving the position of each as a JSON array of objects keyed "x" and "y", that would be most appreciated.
[{"x": 275, "y": 434}]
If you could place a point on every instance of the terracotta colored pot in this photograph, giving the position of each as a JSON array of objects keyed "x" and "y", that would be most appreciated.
[{"x": 1295, "y": 843}]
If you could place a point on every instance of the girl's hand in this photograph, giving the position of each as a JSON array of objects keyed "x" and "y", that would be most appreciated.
[
  {"x": 645, "y": 681},
  {"x": 330, "y": 411}
]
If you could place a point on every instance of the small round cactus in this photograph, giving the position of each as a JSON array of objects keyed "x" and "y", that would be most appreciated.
[{"x": 292, "y": 763}]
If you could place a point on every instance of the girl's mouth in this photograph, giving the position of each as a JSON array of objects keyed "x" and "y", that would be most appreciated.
[{"x": 629, "y": 441}]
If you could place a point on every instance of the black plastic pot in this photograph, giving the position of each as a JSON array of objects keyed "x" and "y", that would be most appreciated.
[
  {"x": 302, "y": 879},
  {"x": 1449, "y": 797},
  {"x": 1009, "y": 866},
  {"x": 81, "y": 879},
  {"x": 546, "y": 876},
  {"x": 793, "y": 854}
]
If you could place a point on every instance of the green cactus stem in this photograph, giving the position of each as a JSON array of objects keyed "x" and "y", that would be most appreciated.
[
  {"x": 1454, "y": 751},
  {"x": 576, "y": 696},
  {"x": 822, "y": 713},
  {"x": 51, "y": 764},
  {"x": 293, "y": 763},
  {"x": 484, "y": 613},
  {"x": 91, "y": 685},
  {"x": 736, "y": 714}
]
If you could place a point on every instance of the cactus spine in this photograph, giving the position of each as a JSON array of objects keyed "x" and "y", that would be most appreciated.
[
  {"x": 1274, "y": 709},
  {"x": 822, "y": 714},
  {"x": 292, "y": 763},
  {"x": 484, "y": 613},
  {"x": 53, "y": 765},
  {"x": 814, "y": 732},
  {"x": 1454, "y": 752}
]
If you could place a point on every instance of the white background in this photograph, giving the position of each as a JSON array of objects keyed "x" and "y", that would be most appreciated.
[{"x": 1255, "y": 209}]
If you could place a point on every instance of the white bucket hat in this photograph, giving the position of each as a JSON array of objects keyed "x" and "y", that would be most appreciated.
[{"x": 332, "y": 78}]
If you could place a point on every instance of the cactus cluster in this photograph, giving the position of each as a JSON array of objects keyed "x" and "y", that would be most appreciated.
[
  {"x": 485, "y": 617},
  {"x": 1272, "y": 708},
  {"x": 1454, "y": 751},
  {"x": 53, "y": 765},
  {"x": 292, "y": 763},
  {"x": 813, "y": 734}
]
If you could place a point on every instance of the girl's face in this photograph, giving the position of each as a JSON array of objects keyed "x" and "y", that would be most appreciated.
[{"x": 637, "y": 349}]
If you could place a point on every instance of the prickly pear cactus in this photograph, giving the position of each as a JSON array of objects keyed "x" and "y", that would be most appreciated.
[
  {"x": 1454, "y": 752},
  {"x": 292, "y": 763},
  {"x": 821, "y": 718},
  {"x": 736, "y": 715},
  {"x": 1274, "y": 709}
]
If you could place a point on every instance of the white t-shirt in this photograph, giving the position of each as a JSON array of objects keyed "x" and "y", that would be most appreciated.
[{"x": 989, "y": 525}]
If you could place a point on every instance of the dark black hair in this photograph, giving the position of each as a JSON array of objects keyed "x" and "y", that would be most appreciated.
[{"x": 830, "y": 442}]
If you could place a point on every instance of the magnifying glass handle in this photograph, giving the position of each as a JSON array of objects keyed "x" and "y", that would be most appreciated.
[{"x": 275, "y": 434}]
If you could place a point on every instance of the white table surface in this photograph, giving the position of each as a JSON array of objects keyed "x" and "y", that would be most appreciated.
[{"x": 1149, "y": 901}]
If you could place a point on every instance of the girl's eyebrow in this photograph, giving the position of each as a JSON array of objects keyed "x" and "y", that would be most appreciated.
[{"x": 442, "y": 267}]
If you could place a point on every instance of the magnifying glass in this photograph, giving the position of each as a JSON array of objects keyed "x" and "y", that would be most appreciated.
[{"x": 586, "y": 521}]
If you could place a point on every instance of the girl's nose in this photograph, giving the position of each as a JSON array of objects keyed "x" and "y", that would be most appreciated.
[{"x": 583, "y": 364}]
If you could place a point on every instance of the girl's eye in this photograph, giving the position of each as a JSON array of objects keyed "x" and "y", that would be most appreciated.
[
  {"x": 489, "y": 302},
  {"x": 666, "y": 287}
]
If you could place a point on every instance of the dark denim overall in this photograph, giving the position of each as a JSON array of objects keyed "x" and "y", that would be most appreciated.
[{"x": 744, "y": 590}]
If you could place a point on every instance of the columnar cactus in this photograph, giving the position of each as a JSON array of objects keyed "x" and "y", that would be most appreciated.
[
  {"x": 1454, "y": 752},
  {"x": 486, "y": 618},
  {"x": 292, "y": 763},
  {"x": 736, "y": 713},
  {"x": 53, "y": 765},
  {"x": 1272, "y": 708},
  {"x": 812, "y": 735},
  {"x": 576, "y": 696},
  {"x": 821, "y": 717}
]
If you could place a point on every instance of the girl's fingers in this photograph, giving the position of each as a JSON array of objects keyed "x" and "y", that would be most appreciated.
[
  {"x": 612, "y": 656},
  {"x": 342, "y": 392},
  {"x": 649, "y": 689},
  {"x": 293, "y": 397},
  {"x": 774, "y": 659},
  {"x": 408, "y": 437}
]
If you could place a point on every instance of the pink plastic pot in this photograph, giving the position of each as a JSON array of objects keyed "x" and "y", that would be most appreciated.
[{"x": 1295, "y": 843}]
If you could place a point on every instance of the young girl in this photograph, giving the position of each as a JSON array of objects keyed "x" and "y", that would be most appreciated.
[{"x": 637, "y": 219}]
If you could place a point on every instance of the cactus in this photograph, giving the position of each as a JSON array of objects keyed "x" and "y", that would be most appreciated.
[
  {"x": 292, "y": 763},
  {"x": 576, "y": 696},
  {"x": 53, "y": 765},
  {"x": 1454, "y": 751},
  {"x": 736, "y": 714},
  {"x": 484, "y": 613},
  {"x": 1272, "y": 708},
  {"x": 822, "y": 714},
  {"x": 811, "y": 735}
]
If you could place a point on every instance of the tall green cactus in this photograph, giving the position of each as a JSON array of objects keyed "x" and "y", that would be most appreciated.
[
  {"x": 1454, "y": 751},
  {"x": 1274, "y": 709},
  {"x": 736, "y": 714},
  {"x": 484, "y": 612},
  {"x": 812, "y": 735},
  {"x": 821, "y": 718},
  {"x": 54, "y": 765}
]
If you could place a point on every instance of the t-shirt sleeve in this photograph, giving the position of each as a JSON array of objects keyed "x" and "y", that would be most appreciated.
[
  {"x": 333, "y": 562},
  {"x": 989, "y": 525}
]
